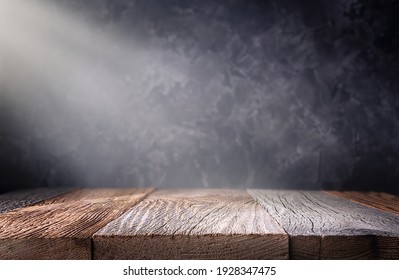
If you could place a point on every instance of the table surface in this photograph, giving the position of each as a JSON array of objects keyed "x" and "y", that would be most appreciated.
[{"x": 198, "y": 224}]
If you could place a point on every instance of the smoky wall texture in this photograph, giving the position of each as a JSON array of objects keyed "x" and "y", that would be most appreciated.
[{"x": 279, "y": 94}]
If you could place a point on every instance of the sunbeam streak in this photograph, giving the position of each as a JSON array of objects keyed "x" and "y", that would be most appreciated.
[{"x": 87, "y": 70}]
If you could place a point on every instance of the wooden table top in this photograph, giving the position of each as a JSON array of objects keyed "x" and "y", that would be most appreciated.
[{"x": 198, "y": 224}]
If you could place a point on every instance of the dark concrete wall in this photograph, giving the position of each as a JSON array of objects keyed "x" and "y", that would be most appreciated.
[{"x": 281, "y": 94}]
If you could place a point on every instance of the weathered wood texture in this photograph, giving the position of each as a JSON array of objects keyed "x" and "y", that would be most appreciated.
[
  {"x": 193, "y": 224},
  {"x": 61, "y": 228},
  {"x": 323, "y": 226},
  {"x": 19, "y": 199},
  {"x": 383, "y": 201},
  {"x": 198, "y": 224}
]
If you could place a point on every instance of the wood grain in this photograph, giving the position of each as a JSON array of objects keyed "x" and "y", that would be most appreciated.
[
  {"x": 322, "y": 226},
  {"x": 193, "y": 224},
  {"x": 14, "y": 200},
  {"x": 61, "y": 228},
  {"x": 383, "y": 201}
]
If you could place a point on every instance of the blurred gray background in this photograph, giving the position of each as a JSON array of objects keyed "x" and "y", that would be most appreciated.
[{"x": 168, "y": 93}]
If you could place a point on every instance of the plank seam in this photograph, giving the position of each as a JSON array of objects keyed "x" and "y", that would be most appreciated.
[
  {"x": 91, "y": 248},
  {"x": 137, "y": 202},
  {"x": 360, "y": 203},
  {"x": 274, "y": 219}
]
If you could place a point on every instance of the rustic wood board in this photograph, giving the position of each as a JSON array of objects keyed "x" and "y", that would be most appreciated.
[
  {"x": 323, "y": 226},
  {"x": 14, "y": 200},
  {"x": 193, "y": 224},
  {"x": 383, "y": 201},
  {"x": 61, "y": 228}
]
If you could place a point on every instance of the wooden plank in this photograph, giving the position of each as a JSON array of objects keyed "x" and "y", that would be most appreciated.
[
  {"x": 383, "y": 201},
  {"x": 18, "y": 199},
  {"x": 61, "y": 228},
  {"x": 193, "y": 224},
  {"x": 322, "y": 226}
]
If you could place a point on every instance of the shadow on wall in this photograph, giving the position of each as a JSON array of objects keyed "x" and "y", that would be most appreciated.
[
  {"x": 277, "y": 94},
  {"x": 25, "y": 161}
]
